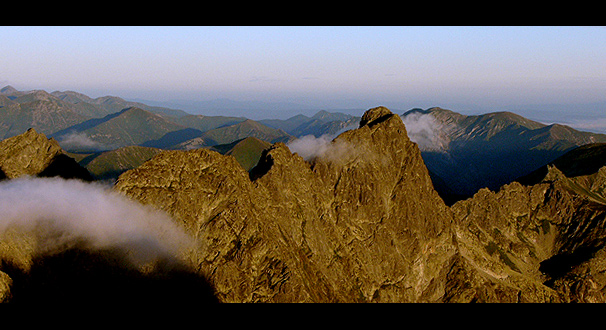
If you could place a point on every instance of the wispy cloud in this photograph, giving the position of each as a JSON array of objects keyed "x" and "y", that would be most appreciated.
[
  {"x": 66, "y": 212},
  {"x": 424, "y": 130},
  {"x": 261, "y": 79},
  {"x": 79, "y": 140},
  {"x": 310, "y": 147}
]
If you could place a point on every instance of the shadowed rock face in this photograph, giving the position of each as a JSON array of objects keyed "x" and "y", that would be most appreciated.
[
  {"x": 361, "y": 223},
  {"x": 82, "y": 275},
  {"x": 542, "y": 242}
]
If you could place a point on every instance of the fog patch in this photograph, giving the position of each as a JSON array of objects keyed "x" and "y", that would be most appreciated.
[
  {"x": 64, "y": 213},
  {"x": 80, "y": 141},
  {"x": 310, "y": 146},
  {"x": 325, "y": 147},
  {"x": 425, "y": 130}
]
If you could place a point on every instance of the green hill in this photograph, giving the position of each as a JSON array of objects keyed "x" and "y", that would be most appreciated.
[
  {"x": 206, "y": 123},
  {"x": 239, "y": 131},
  {"x": 246, "y": 151},
  {"x": 110, "y": 164},
  {"x": 131, "y": 126},
  {"x": 243, "y": 130}
]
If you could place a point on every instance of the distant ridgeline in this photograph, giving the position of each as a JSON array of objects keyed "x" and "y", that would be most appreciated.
[
  {"x": 108, "y": 135},
  {"x": 466, "y": 153},
  {"x": 358, "y": 221}
]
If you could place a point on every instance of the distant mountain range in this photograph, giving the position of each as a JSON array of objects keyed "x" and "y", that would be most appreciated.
[
  {"x": 109, "y": 135},
  {"x": 466, "y": 153},
  {"x": 258, "y": 110},
  {"x": 361, "y": 223},
  {"x": 102, "y": 133},
  {"x": 52, "y": 112}
]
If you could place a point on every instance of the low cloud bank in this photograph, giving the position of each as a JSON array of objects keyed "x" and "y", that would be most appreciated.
[
  {"x": 80, "y": 141},
  {"x": 310, "y": 147},
  {"x": 65, "y": 212},
  {"x": 424, "y": 130}
]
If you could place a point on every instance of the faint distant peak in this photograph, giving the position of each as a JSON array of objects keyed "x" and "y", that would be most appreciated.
[
  {"x": 321, "y": 114},
  {"x": 72, "y": 97},
  {"x": 326, "y": 116},
  {"x": 435, "y": 111},
  {"x": 8, "y": 90}
]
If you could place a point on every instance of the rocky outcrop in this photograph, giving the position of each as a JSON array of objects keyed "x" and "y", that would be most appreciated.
[
  {"x": 27, "y": 154},
  {"x": 502, "y": 239},
  {"x": 360, "y": 223},
  {"x": 31, "y": 153},
  {"x": 538, "y": 243}
]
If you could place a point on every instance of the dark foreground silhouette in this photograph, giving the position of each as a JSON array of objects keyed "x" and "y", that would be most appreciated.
[{"x": 103, "y": 277}]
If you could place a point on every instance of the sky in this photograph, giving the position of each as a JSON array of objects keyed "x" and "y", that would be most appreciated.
[{"x": 543, "y": 70}]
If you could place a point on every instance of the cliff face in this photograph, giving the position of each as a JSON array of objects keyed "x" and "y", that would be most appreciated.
[
  {"x": 359, "y": 223},
  {"x": 539, "y": 243}
]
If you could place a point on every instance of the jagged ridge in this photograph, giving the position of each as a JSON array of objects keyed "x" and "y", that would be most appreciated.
[
  {"x": 366, "y": 226},
  {"x": 363, "y": 223}
]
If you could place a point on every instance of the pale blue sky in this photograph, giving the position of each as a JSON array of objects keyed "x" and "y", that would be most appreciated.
[{"x": 462, "y": 68}]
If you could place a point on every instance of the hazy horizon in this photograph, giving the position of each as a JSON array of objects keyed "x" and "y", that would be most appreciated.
[{"x": 547, "y": 73}]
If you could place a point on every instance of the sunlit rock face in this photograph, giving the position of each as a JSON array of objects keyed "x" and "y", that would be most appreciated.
[{"x": 359, "y": 223}]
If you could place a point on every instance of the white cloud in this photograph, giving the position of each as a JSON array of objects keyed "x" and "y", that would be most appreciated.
[
  {"x": 63, "y": 212},
  {"x": 425, "y": 130},
  {"x": 310, "y": 147},
  {"x": 75, "y": 140}
]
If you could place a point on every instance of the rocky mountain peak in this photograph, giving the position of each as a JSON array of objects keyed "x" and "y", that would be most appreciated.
[
  {"x": 360, "y": 221},
  {"x": 27, "y": 154},
  {"x": 7, "y": 90},
  {"x": 32, "y": 153},
  {"x": 364, "y": 226},
  {"x": 374, "y": 116}
]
